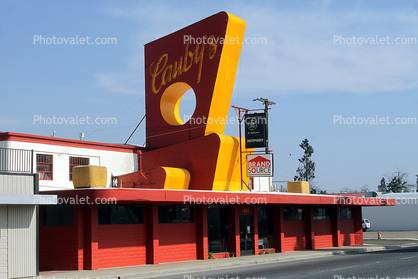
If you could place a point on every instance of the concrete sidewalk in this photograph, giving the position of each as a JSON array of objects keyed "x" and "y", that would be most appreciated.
[{"x": 150, "y": 271}]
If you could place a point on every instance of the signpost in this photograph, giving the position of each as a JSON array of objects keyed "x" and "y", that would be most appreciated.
[
  {"x": 256, "y": 133},
  {"x": 260, "y": 165},
  {"x": 256, "y": 136}
]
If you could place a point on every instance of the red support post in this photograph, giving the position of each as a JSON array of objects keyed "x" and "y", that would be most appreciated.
[
  {"x": 335, "y": 216},
  {"x": 233, "y": 231},
  {"x": 358, "y": 228},
  {"x": 91, "y": 237},
  {"x": 152, "y": 226},
  {"x": 202, "y": 231},
  {"x": 278, "y": 227},
  {"x": 255, "y": 226}
]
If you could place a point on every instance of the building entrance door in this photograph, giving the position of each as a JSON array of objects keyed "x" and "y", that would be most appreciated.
[{"x": 246, "y": 234}]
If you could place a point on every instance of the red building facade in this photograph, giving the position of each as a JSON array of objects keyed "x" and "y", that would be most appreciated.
[{"x": 296, "y": 222}]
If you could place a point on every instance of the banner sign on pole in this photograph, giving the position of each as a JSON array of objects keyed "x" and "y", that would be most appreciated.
[
  {"x": 256, "y": 130},
  {"x": 260, "y": 165}
]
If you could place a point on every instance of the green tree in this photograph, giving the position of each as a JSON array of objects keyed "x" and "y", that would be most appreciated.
[
  {"x": 316, "y": 190},
  {"x": 382, "y": 187},
  {"x": 417, "y": 181},
  {"x": 306, "y": 169},
  {"x": 397, "y": 184}
]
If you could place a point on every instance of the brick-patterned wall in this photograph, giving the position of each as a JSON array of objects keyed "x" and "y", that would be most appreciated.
[
  {"x": 58, "y": 246},
  {"x": 294, "y": 235},
  {"x": 358, "y": 228},
  {"x": 121, "y": 245},
  {"x": 322, "y": 233},
  {"x": 346, "y": 235},
  {"x": 177, "y": 242}
]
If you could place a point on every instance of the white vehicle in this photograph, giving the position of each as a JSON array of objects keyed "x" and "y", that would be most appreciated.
[{"x": 366, "y": 224}]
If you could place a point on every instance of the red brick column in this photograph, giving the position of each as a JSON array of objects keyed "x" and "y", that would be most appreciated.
[
  {"x": 255, "y": 226},
  {"x": 278, "y": 221},
  {"x": 79, "y": 221},
  {"x": 233, "y": 229},
  {"x": 202, "y": 231},
  {"x": 310, "y": 237},
  {"x": 91, "y": 225},
  {"x": 358, "y": 228},
  {"x": 152, "y": 226},
  {"x": 335, "y": 217}
]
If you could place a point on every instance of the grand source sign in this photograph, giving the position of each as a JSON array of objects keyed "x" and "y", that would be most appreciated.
[{"x": 259, "y": 165}]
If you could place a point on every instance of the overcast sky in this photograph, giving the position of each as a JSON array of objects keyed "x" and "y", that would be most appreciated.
[{"x": 326, "y": 64}]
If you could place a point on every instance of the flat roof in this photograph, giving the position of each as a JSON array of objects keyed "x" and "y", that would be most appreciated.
[
  {"x": 121, "y": 195},
  {"x": 9, "y": 136}
]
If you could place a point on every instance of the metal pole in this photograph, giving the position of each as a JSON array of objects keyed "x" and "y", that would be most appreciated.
[
  {"x": 240, "y": 147},
  {"x": 267, "y": 121}
]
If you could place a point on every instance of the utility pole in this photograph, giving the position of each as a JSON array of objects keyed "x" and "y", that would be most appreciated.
[{"x": 266, "y": 103}]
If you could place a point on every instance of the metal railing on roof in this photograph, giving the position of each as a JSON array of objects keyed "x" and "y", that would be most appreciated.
[{"x": 16, "y": 160}]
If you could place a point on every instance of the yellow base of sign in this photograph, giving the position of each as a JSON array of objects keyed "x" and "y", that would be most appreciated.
[
  {"x": 227, "y": 175},
  {"x": 301, "y": 187}
]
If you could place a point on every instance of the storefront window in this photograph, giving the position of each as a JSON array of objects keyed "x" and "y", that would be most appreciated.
[
  {"x": 218, "y": 228},
  {"x": 321, "y": 213},
  {"x": 174, "y": 213},
  {"x": 265, "y": 227},
  {"x": 292, "y": 213},
  {"x": 346, "y": 213},
  {"x": 57, "y": 215},
  {"x": 120, "y": 214}
]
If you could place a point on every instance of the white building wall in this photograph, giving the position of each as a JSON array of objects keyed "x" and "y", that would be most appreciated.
[
  {"x": 262, "y": 184},
  {"x": 401, "y": 217},
  {"x": 116, "y": 162}
]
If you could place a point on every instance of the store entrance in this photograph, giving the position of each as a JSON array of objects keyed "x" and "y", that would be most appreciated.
[{"x": 246, "y": 234}]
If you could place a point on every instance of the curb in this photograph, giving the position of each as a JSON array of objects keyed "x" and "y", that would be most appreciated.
[
  {"x": 221, "y": 264},
  {"x": 392, "y": 239}
]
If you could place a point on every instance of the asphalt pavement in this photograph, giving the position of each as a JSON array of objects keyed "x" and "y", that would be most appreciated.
[{"x": 390, "y": 240}]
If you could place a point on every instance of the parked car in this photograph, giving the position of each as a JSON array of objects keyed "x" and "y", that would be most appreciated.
[{"x": 366, "y": 224}]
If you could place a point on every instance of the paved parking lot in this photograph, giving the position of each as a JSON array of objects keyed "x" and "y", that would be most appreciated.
[{"x": 391, "y": 238}]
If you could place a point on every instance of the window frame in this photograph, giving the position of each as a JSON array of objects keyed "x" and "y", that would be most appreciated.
[{"x": 47, "y": 167}]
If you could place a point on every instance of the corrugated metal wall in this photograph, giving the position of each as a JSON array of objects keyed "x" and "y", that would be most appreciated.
[
  {"x": 16, "y": 184},
  {"x": 22, "y": 241},
  {"x": 3, "y": 242}
]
